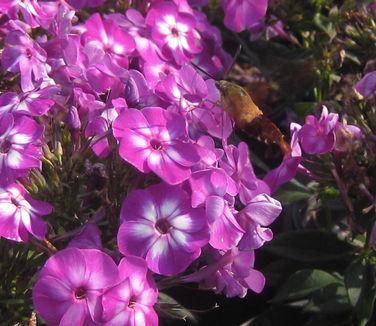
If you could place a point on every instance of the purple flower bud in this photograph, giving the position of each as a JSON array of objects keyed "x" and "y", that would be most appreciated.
[{"x": 73, "y": 119}]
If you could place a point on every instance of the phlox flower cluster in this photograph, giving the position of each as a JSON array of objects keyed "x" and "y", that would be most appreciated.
[{"x": 124, "y": 81}]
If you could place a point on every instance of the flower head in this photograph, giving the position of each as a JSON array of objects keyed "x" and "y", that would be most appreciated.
[
  {"x": 130, "y": 302},
  {"x": 174, "y": 31},
  {"x": 71, "y": 284},
  {"x": 153, "y": 139},
  {"x": 242, "y": 14},
  {"x": 160, "y": 225},
  {"x": 317, "y": 136},
  {"x": 20, "y": 214},
  {"x": 22, "y": 54},
  {"x": 19, "y": 146}
]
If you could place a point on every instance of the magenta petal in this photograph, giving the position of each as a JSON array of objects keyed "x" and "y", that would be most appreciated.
[
  {"x": 225, "y": 234},
  {"x": 130, "y": 119},
  {"x": 183, "y": 153},
  {"x": 67, "y": 265},
  {"x": 17, "y": 158},
  {"x": 166, "y": 257},
  {"x": 25, "y": 131},
  {"x": 75, "y": 315},
  {"x": 9, "y": 226},
  {"x": 255, "y": 281},
  {"x": 35, "y": 225},
  {"x": 167, "y": 169},
  {"x": 52, "y": 301},
  {"x": 134, "y": 148},
  {"x": 367, "y": 85},
  {"x": 39, "y": 207},
  {"x": 135, "y": 238},
  {"x": 263, "y": 209},
  {"x": 94, "y": 300},
  {"x": 139, "y": 204},
  {"x": 101, "y": 269}
]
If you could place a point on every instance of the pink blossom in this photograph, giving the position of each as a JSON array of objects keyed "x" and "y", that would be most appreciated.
[
  {"x": 34, "y": 103},
  {"x": 34, "y": 12},
  {"x": 261, "y": 211},
  {"x": 366, "y": 87},
  {"x": 130, "y": 302},
  {"x": 317, "y": 136},
  {"x": 237, "y": 165},
  {"x": 20, "y": 214},
  {"x": 174, "y": 31},
  {"x": 153, "y": 139},
  {"x": 214, "y": 189},
  {"x": 108, "y": 37},
  {"x": 24, "y": 55},
  {"x": 159, "y": 225},
  {"x": 242, "y": 14},
  {"x": 290, "y": 163},
  {"x": 88, "y": 237},
  {"x": 71, "y": 284},
  {"x": 230, "y": 272},
  {"x": 20, "y": 147}
]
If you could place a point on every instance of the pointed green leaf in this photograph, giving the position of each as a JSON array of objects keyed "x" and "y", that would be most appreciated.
[
  {"x": 303, "y": 283},
  {"x": 360, "y": 285}
]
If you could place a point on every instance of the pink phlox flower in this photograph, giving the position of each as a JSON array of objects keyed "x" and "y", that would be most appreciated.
[
  {"x": 24, "y": 55},
  {"x": 107, "y": 36},
  {"x": 101, "y": 125},
  {"x": 130, "y": 302},
  {"x": 208, "y": 153},
  {"x": 70, "y": 286},
  {"x": 35, "y": 13},
  {"x": 237, "y": 165},
  {"x": 196, "y": 99},
  {"x": 156, "y": 71},
  {"x": 89, "y": 105},
  {"x": 290, "y": 164},
  {"x": 214, "y": 60},
  {"x": 153, "y": 139},
  {"x": 260, "y": 212},
  {"x": 215, "y": 190},
  {"x": 34, "y": 103},
  {"x": 7, "y": 26},
  {"x": 366, "y": 87},
  {"x": 79, "y": 4},
  {"x": 174, "y": 31},
  {"x": 345, "y": 136},
  {"x": 137, "y": 92},
  {"x": 134, "y": 23},
  {"x": 20, "y": 146},
  {"x": 230, "y": 272},
  {"x": 20, "y": 214},
  {"x": 274, "y": 28},
  {"x": 242, "y": 14},
  {"x": 187, "y": 89},
  {"x": 159, "y": 225},
  {"x": 317, "y": 136},
  {"x": 88, "y": 237}
]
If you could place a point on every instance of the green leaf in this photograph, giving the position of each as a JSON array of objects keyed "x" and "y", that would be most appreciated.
[
  {"x": 292, "y": 192},
  {"x": 170, "y": 308},
  {"x": 303, "y": 283},
  {"x": 330, "y": 299},
  {"x": 360, "y": 285},
  {"x": 310, "y": 246}
]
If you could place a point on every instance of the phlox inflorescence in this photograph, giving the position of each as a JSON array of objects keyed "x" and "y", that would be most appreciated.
[{"x": 122, "y": 85}]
